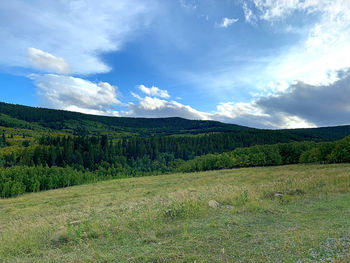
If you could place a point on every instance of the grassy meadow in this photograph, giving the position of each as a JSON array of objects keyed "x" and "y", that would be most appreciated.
[{"x": 295, "y": 213}]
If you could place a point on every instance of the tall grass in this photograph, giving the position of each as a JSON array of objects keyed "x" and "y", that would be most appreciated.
[{"x": 272, "y": 214}]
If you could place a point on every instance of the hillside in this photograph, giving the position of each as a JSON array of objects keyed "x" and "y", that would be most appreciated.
[
  {"x": 49, "y": 120},
  {"x": 36, "y": 155},
  {"x": 295, "y": 213},
  {"x": 70, "y": 121}
]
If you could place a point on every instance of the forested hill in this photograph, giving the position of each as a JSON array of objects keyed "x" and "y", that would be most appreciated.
[
  {"x": 74, "y": 123},
  {"x": 43, "y": 149},
  {"x": 60, "y": 119}
]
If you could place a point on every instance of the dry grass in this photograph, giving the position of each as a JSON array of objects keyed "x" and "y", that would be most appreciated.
[{"x": 270, "y": 214}]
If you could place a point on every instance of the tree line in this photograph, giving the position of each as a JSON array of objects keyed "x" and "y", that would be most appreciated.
[
  {"x": 20, "y": 179},
  {"x": 88, "y": 159},
  {"x": 24, "y": 117},
  {"x": 269, "y": 155},
  {"x": 91, "y": 152}
]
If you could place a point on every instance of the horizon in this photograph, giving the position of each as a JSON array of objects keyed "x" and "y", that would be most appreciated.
[
  {"x": 256, "y": 63},
  {"x": 42, "y": 107}
]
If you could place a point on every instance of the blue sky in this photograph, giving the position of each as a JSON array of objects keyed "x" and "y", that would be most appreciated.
[{"x": 260, "y": 63}]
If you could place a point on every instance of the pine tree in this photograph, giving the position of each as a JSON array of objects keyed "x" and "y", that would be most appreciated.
[{"x": 3, "y": 140}]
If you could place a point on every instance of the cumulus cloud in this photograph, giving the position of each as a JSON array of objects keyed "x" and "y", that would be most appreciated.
[
  {"x": 253, "y": 115},
  {"x": 159, "y": 108},
  {"x": 47, "y": 61},
  {"x": 77, "y": 31},
  {"x": 323, "y": 105},
  {"x": 301, "y": 105},
  {"x": 154, "y": 91},
  {"x": 76, "y": 94},
  {"x": 258, "y": 113},
  {"x": 226, "y": 22},
  {"x": 324, "y": 45}
]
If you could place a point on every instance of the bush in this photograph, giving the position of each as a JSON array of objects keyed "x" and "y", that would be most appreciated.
[{"x": 179, "y": 210}]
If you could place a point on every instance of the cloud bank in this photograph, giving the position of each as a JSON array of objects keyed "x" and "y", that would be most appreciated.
[{"x": 300, "y": 105}]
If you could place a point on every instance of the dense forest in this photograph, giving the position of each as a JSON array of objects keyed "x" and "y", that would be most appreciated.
[
  {"x": 74, "y": 123},
  {"x": 42, "y": 149},
  {"x": 269, "y": 155}
]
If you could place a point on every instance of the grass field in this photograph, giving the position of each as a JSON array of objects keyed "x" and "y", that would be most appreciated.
[{"x": 298, "y": 213}]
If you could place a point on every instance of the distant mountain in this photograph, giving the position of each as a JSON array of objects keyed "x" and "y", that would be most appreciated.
[
  {"x": 33, "y": 118},
  {"x": 60, "y": 119}
]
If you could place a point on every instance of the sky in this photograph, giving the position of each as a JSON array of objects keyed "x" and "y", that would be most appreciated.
[{"x": 259, "y": 63}]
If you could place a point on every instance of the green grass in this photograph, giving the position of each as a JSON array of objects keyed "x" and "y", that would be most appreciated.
[{"x": 298, "y": 213}]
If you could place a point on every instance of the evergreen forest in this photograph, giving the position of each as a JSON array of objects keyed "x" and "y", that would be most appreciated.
[{"x": 43, "y": 149}]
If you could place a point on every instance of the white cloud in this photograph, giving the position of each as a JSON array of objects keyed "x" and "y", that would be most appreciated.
[
  {"x": 325, "y": 50},
  {"x": 277, "y": 8},
  {"x": 154, "y": 91},
  {"x": 323, "y": 105},
  {"x": 233, "y": 110},
  {"x": 253, "y": 115},
  {"x": 189, "y": 4},
  {"x": 159, "y": 108},
  {"x": 248, "y": 13},
  {"x": 323, "y": 47},
  {"x": 299, "y": 105},
  {"x": 295, "y": 106},
  {"x": 226, "y": 22},
  {"x": 272, "y": 88},
  {"x": 77, "y": 31},
  {"x": 76, "y": 94},
  {"x": 280, "y": 9},
  {"x": 248, "y": 114},
  {"x": 93, "y": 111},
  {"x": 47, "y": 61}
]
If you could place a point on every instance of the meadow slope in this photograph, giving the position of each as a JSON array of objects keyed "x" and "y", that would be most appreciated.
[{"x": 295, "y": 213}]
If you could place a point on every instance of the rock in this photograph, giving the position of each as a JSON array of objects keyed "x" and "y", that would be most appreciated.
[{"x": 213, "y": 204}]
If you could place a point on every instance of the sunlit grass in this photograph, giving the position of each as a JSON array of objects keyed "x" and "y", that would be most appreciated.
[{"x": 272, "y": 214}]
